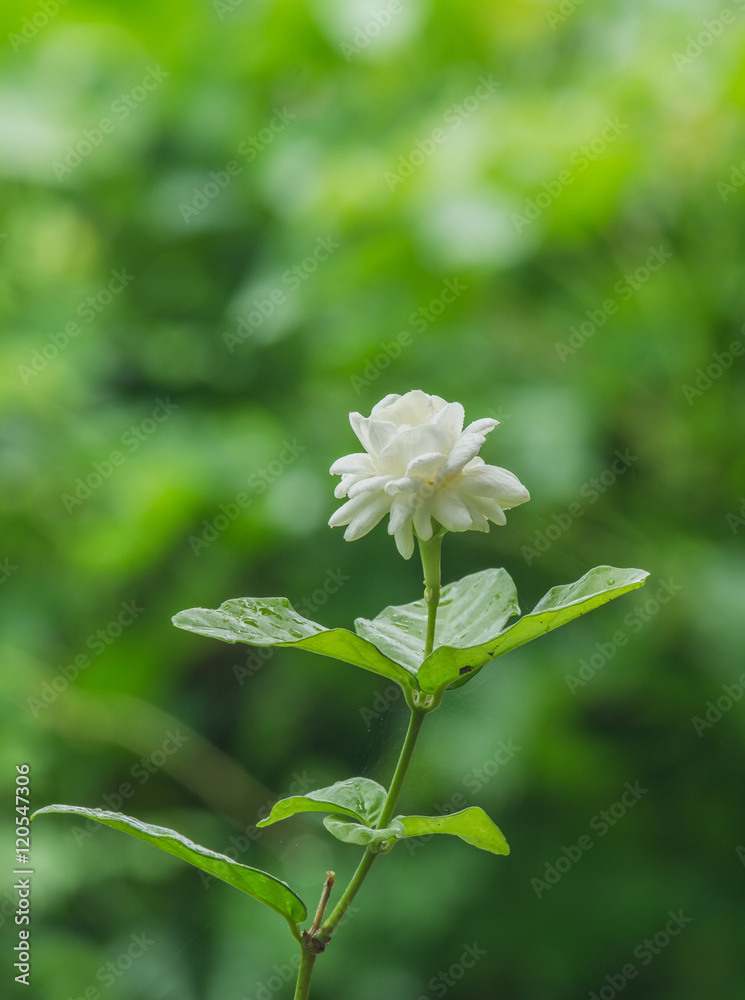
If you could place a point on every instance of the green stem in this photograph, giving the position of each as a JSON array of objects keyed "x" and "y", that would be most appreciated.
[
  {"x": 309, "y": 948},
  {"x": 407, "y": 750},
  {"x": 348, "y": 895},
  {"x": 313, "y": 944},
  {"x": 430, "y": 553},
  {"x": 307, "y": 961}
]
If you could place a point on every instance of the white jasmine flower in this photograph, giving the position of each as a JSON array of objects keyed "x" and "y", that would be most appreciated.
[{"x": 419, "y": 464}]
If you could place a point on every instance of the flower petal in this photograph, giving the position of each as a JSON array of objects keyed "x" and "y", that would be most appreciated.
[
  {"x": 406, "y": 484},
  {"x": 405, "y": 541},
  {"x": 451, "y": 418},
  {"x": 374, "y": 435},
  {"x": 348, "y": 511},
  {"x": 450, "y": 510},
  {"x": 492, "y": 481},
  {"x": 410, "y": 410},
  {"x": 427, "y": 465},
  {"x": 483, "y": 426},
  {"x": 370, "y": 484},
  {"x": 375, "y": 508},
  {"x": 464, "y": 449},
  {"x": 403, "y": 506},
  {"x": 488, "y": 507},
  {"x": 385, "y": 402},
  {"x": 342, "y": 488},
  {"x": 412, "y": 442},
  {"x": 358, "y": 464},
  {"x": 423, "y": 518}
]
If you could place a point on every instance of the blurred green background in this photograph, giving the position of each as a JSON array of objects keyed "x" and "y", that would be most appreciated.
[{"x": 223, "y": 227}]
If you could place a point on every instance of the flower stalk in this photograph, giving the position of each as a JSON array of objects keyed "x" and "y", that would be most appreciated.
[{"x": 430, "y": 552}]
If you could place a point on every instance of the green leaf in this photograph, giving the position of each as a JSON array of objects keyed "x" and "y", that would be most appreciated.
[
  {"x": 471, "y": 611},
  {"x": 471, "y": 825},
  {"x": 354, "y": 833},
  {"x": 262, "y": 886},
  {"x": 456, "y": 662},
  {"x": 360, "y": 798},
  {"x": 272, "y": 621}
]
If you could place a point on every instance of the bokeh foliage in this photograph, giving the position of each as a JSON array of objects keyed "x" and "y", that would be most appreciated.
[{"x": 314, "y": 129}]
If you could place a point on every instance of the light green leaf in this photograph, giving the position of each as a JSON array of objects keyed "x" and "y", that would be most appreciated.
[
  {"x": 272, "y": 621},
  {"x": 262, "y": 886},
  {"x": 450, "y": 662},
  {"x": 471, "y": 825},
  {"x": 471, "y": 611},
  {"x": 360, "y": 798},
  {"x": 354, "y": 833}
]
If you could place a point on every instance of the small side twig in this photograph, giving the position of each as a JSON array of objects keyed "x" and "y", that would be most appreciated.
[{"x": 328, "y": 885}]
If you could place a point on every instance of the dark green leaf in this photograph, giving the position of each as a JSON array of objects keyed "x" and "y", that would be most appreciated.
[
  {"x": 272, "y": 621},
  {"x": 354, "y": 833},
  {"x": 262, "y": 886},
  {"x": 471, "y": 825},
  {"x": 471, "y": 611},
  {"x": 360, "y": 798},
  {"x": 450, "y": 662}
]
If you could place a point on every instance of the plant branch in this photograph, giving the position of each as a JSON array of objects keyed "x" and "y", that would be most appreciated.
[
  {"x": 415, "y": 723},
  {"x": 307, "y": 961},
  {"x": 324, "y": 934},
  {"x": 310, "y": 947},
  {"x": 328, "y": 885},
  {"x": 314, "y": 941}
]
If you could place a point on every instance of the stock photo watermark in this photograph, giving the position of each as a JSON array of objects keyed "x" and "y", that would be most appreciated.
[
  {"x": 716, "y": 710},
  {"x": 45, "y": 11},
  {"x": 562, "y": 12},
  {"x": 88, "y": 310},
  {"x": 624, "y": 289},
  {"x": 257, "y": 657},
  {"x": 248, "y": 148},
  {"x": 419, "y": 321},
  {"x": 371, "y": 29},
  {"x": 258, "y": 483},
  {"x": 579, "y": 161},
  {"x": 634, "y": 621},
  {"x": 239, "y": 843},
  {"x": 7, "y": 569},
  {"x": 711, "y": 29},
  {"x": 445, "y": 979},
  {"x": 735, "y": 183},
  {"x": 735, "y": 519},
  {"x": 121, "y": 108},
  {"x": 452, "y": 120},
  {"x": 97, "y": 642},
  {"x": 266, "y": 305},
  {"x": 381, "y": 704},
  {"x": 22, "y": 887},
  {"x": 473, "y": 781},
  {"x": 130, "y": 441},
  {"x": 266, "y": 989},
  {"x": 591, "y": 491},
  {"x": 721, "y": 362},
  {"x": 601, "y": 824},
  {"x": 140, "y": 773},
  {"x": 115, "y": 969},
  {"x": 645, "y": 952}
]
